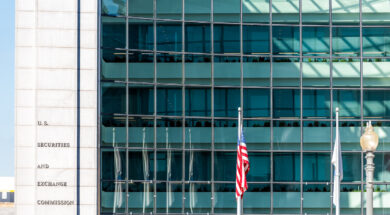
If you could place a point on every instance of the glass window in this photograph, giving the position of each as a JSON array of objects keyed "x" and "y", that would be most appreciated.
[
  {"x": 113, "y": 98},
  {"x": 287, "y": 135},
  {"x": 316, "y": 198},
  {"x": 287, "y": 198},
  {"x": 348, "y": 101},
  {"x": 256, "y": 71},
  {"x": 225, "y": 134},
  {"x": 140, "y": 132},
  {"x": 315, "y": 41},
  {"x": 141, "y": 165},
  {"x": 198, "y": 134},
  {"x": 285, "y": 40},
  {"x": 197, "y": 38},
  {"x": 198, "y": 101},
  {"x": 169, "y": 101},
  {"x": 316, "y": 167},
  {"x": 110, "y": 190},
  {"x": 382, "y": 129},
  {"x": 255, "y": 39},
  {"x": 375, "y": 72},
  {"x": 255, "y": 11},
  {"x": 225, "y": 166},
  {"x": 169, "y": 36},
  {"x": 141, "y": 67},
  {"x": 113, "y": 32},
  {"x": 196, "y": 161},
  {"x": 169, "y": 9},
  {"x": 260, "y": 167},
  {"x": 227, "y": 38},
  {"x": 169, "y": 165},
  {"x": 346, "y": 72},
  {"x": 315, "y": 12},
  {"x": 140, "y": 8},
  {"x": 197, "y": 198},
  {"x": 285, "y": 72},
  {"x": 285, "y": 11},
  {"x": 197, "y": 69},
  {"x": 286, "y": 103},
  {"x": 257, "y": 134},
  {"x": 350, "y": 132},
  {"x": 315, "y": 72},
  {"x": 256, "y": 103},
  {"x": 227, "y": 10},
  {"x": 316, "y": 135},
  {"x": 226, "y": 102},
  {"x": 346, "y": 41},
  {"x": 286, "y": 166},
  {"x": 348, "y": 192},
  {"x": 345, "y": 12},
  {"x": 261, "y": 194},
  {"x": 141, "y": 34},
  {"x": 140, "y": 197},
  {"x": 169, "y": 197},
  {"x": 225, "y": 201},
  {"x": 198, "y": 10},
  {"x": 113, "y": 131},
  {"x": 375, "y": 12},
  {"x": 169, "y": 68},
  {"x": 113, "y": 65},
  {"x": 169, "y": 133},
  {"x": 351, "y": 167},
  {"x": 376, "y": 41},
  {"x": 227, "y": 71},
  {"x": 316, "y": 103},
  {"x": 382, "y": 172},
  {"x": 376, "y": 104},
  {"x": 141, "y": 100},
  {"x": 113, "y": 7},
  {"x": 113, "y": 164}
]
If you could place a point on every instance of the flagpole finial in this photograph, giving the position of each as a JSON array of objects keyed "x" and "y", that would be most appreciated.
[
  {"x": 239, "y": 108},
  {"x": 337, "y": 109}
]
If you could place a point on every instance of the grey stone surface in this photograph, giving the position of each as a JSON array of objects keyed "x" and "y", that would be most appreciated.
[{"x": 7, "y": 211}]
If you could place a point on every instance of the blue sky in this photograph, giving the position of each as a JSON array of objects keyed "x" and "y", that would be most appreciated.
[{"x": 7, "y": 10}]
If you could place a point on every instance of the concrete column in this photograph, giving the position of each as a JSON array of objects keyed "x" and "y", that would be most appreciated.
[{"x": 369, "y": 179}]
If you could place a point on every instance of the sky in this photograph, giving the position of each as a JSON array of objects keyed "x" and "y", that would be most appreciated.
[{"x": 7, "y": 14}]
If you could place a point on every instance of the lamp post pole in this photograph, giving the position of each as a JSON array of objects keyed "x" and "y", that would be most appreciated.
[{"x": 369, "y": 142}]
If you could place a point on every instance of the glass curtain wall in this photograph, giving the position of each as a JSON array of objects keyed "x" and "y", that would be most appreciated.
[{"x": 174, "y": 72}]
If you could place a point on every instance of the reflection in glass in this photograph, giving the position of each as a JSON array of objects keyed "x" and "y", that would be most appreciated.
[
  {"x": 195, "y": 164},
  {"x": 257, "y": 134},
  {"x": 169, "y": 133},
  {"x": 140, "y": 34},
  {"x": 350, "y": 137},
  {"x": 197, "y": 69},
  {"x": 351, "y": 167},
  {"x": 376, "y": 104},
  {"x": 315, "y": 72},
  {"x": 255, "y": 11},
  {"x": 345, "y": 12},
  {"x": 285, "y": 11},
  {"x": 225, "y": 134},
  {"x": 286, "y": 103},
  {"x": 113, "y": 131},
  {"x": 350, "y": 198},
  {"x": 169, "y": 68},
  {"x": 227, "y": 70},
  {"x": 227, "y": 10},
  {"x": 113, "y": 7},
  {"x": 287, "y": 135},
  {"x": 169, "y": 36},
  {"x": 113, "y": 65},
  {"x": 315, "y": 12},
  {"x": 376, "y": 72},
  {"x": 285, "y": 40},
  {"x": 256, "y": 71},
  {"x": 226, "y": 38},
  {"x": 256, "y": 103},
  {"x": 198, "y": 10},
  {"x": 316, "y": 103},
  {"x": 346, "y": 41},
  {"x": 375, "y": 12},
  {"x": 316, "y": 198},
  {"x": 198, "y": 101},
  {"x": 113, "y": 197},
  {"x": 260, "y": 166},
  {"x": 141, "y": 165},
  {"x": 141, "y": 132},
  {"x": 169, "y": 165},
  {"x": 226, "y": 102},
  {"x": 169, "y": 101},
  {"x": 382, "y": 129},
  {"x": 113, "y": 32},
  {"x": 315, "y": 41},
  {"x": 141, "y": 67},
  {"x": 223, "y": 163},
  {"x": 198, "y": 134},
  {"x": 346, "y": 72},
  {"x": 316, "y": 135},
  {"x": 255, "y": 39},
  {"x": 113, "y": 165},
  {"x": 113, "y": 98},
  {"x": 286, "y": 166},
  {"x": 197, "y": 198},
  {"x": 140, "y": 197},
  {"x": 348, "y": 101},
  {"x": 286, "y": 72},
  {"x": 197, "y": 38},
  {"x": 141, "y": 100},
  {"x": 169, "y": 9},
  {"x": 169, "y": 197},
  {"x": 316, "y": 167},
  {"x": 286, "y": 198},
  {"x": 257, "y": 199},
  {"x": 376, "y": 41},
  {"x": 140, "y": 8},
  {"x": 382, "y": 168}
]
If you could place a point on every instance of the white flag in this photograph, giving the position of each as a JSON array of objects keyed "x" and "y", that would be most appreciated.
[{"x": 337, "y": 162}]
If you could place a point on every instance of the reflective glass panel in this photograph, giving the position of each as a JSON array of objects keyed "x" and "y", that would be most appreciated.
[
  {"x": 375, "y": 72},
  {"x": 315, "y": 12},
  {"x": 169, "y": 36},
  {"x": 113, "y": 97},
  {"x": 382, "y": 129},
  {"x": 169, "y": 133},
  {"x": 140, "y": 8},
  {"x": 375, "y": 12},
  {"x": 169, "y": 68},
  {"x": 197, "y": 69},
  {"x": 286, "y": 198},
  {"x": 349, "y": 135},
  {"x": 260, "y": 166},
  {"x": 315, "y": 41},
  {"x": 113, "y": 32},
  {"x": 286, "y": 72},
  {"x": 316, "y": 135},
  {"x": 113, "y": 131},
  {"x": 169, "y": 101},
  {"x": 346, "y": 72},
  {"x": 255, "y": 39},
  {"x": 169, "y": 9},
  {"x": 227, "y": 70},
  {"x": 169, "y": 197},
  {"x": 376, "y": 42},
  {"x": 316, "y": 198},
  {"x": 223, "y": 162},
  {"x": 351, "y": 167},
  {"x": 197, "y": 38},
  {"x": 141, "y": 99},
  {"x": 226, "y": 102},
  {"x": 198, "y": 102},
  {"x": 316, "y": 167},
  {"x": 286, "y": 135},
  {"x": 349, "y": 192},
  {"x": 285, "y": 40},
  {"x": 376, "y": 104},
  {"x": 285, "y": 11},
  {"x": 197, "y": 10},
  {"x": 316, "y": 103},
  {"x": 140, "y": 198},
  {"x": 113, "y": 165},
  {"x": 286, "y": 166},
  {"x": 113, "y": 65},
  {"x": 169, "y": 165},
  {"x": 195, "y": 164},
  {"x": 345, "y": 12},
  {"x": 113, "y": 197},
  {"x": 315, "y": 72},
  {"x": 141, "y": 164},
  {"x": 226, "y": 39},
  {"x": 256, "y": 71},
  {"x": 348, "y": 101},
  {"x": 197, "y": 198},
  {"x": 141, "y": 67},
  {"x": 225, "y": 134},
  {"x": 140, "y": 132},
  {"x": 256, "y": 103},
  {"x": 257, "y": 134},
  {"x": 113, "y": 7},
  {"x": 286, "y": 103},
  {"x": 141, "y": 35},
  {"x": 346, "y": 41},
  {"x": 255, "y": 11},
  {"x": 227, "y": 10},
  {"x": 198, "y": 134}
]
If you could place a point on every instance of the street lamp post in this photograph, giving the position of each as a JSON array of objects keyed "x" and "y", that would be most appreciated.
[{"x": 369, "y": 142}]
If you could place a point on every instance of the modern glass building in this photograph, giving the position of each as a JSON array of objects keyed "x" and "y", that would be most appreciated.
[{"x": 174, "y": 72}]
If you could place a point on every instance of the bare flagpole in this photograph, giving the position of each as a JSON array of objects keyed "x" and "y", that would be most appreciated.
[{"x": 239, "y": 200}]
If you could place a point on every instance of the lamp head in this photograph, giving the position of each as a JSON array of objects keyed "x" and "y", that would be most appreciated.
[{"x": 369, "y": 140}]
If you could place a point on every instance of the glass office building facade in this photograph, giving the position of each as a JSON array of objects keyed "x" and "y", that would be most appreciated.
[{"x": 174, "y": 72}]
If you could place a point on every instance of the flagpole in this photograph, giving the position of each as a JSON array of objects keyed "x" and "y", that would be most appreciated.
[
  {"x": 336, "y": 191},
  {"x": 239, "y": 201}
]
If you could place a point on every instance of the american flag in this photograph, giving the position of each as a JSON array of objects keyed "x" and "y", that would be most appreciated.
[{"x": 242, "y": 166}]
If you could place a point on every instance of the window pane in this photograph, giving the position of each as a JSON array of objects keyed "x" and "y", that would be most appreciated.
[
  {"x": 113, "y": 7},
  {"x": 169, "y": 68},
  {"x": 286, "y": 166},
  {"x": 257, "y": 199},
  {"x": 316, "y": 103},
  {"x": 286, "y": 103},
  {"x": 197, "y": 198},
  {"x": 257, "y": 134},
  {"x": 316, "y": 198},
  {"x": 225, "y": 134},
  {"x": 113, "y": 98},
  {"x": 223, "y": 163},
  {"x": 197, "y": 10},
  {"x": 113, "y": 164},
  {"x": 198, "y": 166},
  {"x": 113, "y": 32},
  {"x": 345, "y": 12},
  {"x": 197, "y": 69},
  {"x": 348, "y": 101},
  {"x": 169, "y": 197},
  {"x": 350, "y": 138},
  {"x": 286, "y": 72},
  {"x": 169, "y": 165},
  {"x": 141, "y": 67},
  {"x": 376, "y": 41},
  {"x": 169, "y": 101},
  {"x": 169, "y": 36},
  {"x": 348, "y": 192},
  {"x": 285, "y": 11},
  {"x": 225, "y": 201},
  {"x": 376, "y": 104},
  {"x": 375, "y": 72},
  {"x": 285, "y": 40},
  {"x": 140, "y": 198},
  {"x": 227, "y": 10},
  {"x": 255, "y": 11},
  {"x": 316, "y": 135},
  {"x": 315, "y": 41},
  {"x": 256, "y": 103},
  {"x": 109, "y": 191},
  {"x": 316, "y": 167},
  {"x": 169, "y": 9},
  {"x": 260, "y": 167},
  {"x": 287, "y": 135},
  {"x": 197, "y": 38},
  {"x": 198, "y": 101},
  {"x": 227, "y": 71},
  {"x": 141, "y": 132},
  {"x": 141, "y": 8},
  {"x": 113, "y": 64},
  {"x": 113, "y": 131},
  {"x": 286, "y": 198},
  {"x": 141, "y": 100},
  {"x": 256, "y": 71},
  {"x": 315, "y": 72},
  {"x": 376, "y": 12},
  {"x": 346, "y": 72},
  {"x": 382, "y": 173},
  {"x": 198, "y": 134},
  {"x": 382, "y": 129},
  {"x": 169, "y": 133},
  {"x": 315, "y": 12},
  {"x": 141, "y": 165},
  {"x": 255, "y": 39},
  {"x": 351, "y": 167},
  {"x": 226, "y": 102},
  {"x": 227, "y": 38},
  {"x": 346, "y": 41},
  {"x": 141, "y": 34}
]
